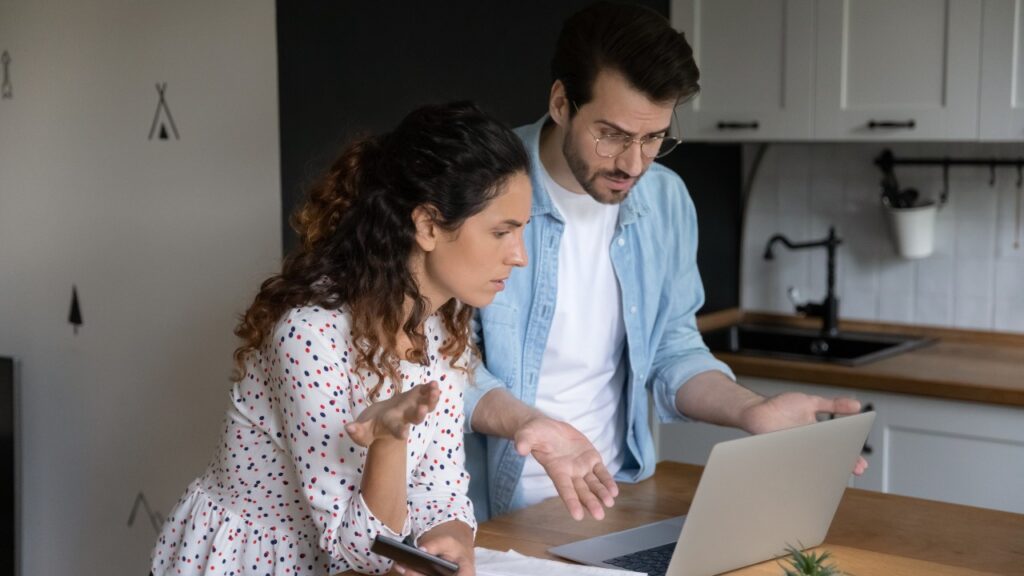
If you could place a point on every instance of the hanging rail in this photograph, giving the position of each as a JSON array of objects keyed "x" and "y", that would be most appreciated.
[{"x": 886, "y": 161}]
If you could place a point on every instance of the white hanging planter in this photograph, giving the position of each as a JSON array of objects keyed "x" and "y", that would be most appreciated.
[{"x": 913, "y": 229}]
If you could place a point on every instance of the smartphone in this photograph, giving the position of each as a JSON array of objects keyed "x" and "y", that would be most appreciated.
[{"x": 412, "y": 557}]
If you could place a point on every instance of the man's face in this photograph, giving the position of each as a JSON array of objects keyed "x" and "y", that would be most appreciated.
[{"x": 616, "y": 108}]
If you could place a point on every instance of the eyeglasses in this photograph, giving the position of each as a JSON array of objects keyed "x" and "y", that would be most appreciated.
[
  {"x": 611, "y": 145},
  {"x": 615, "y": 143}
]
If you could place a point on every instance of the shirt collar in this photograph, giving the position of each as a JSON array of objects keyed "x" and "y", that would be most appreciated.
[{"x": 634, "y": 206}]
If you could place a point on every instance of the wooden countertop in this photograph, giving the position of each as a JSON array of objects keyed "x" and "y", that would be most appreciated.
[
  {"x": 960, "y": 365},
  {"x": 872, "y": 533}
]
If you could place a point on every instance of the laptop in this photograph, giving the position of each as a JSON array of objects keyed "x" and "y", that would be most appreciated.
[{"x": 757, "y": 496}]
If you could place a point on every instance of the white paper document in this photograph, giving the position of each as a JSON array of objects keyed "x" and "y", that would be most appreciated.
[{"x": 512, "y": 563}]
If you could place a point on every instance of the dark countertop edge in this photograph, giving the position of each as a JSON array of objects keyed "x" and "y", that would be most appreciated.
[
  {"x": 723, "y": 318},
  {"x": 843, "y": 377}
]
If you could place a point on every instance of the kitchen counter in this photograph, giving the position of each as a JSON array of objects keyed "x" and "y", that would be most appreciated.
[
  {"x": 961, "y": 365},
  {"x": 871, "y": 534}
]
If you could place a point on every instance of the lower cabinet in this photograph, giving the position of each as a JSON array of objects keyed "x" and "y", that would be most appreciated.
[{"x": 953, "y": 451}]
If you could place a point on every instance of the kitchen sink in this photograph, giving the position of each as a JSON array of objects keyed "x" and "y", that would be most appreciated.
[{"x": 809, "y": 344}]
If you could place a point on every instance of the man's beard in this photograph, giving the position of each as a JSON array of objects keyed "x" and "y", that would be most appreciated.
[{"x": 581, "y": 171}]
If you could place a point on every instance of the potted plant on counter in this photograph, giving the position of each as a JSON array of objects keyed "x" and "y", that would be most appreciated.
[{"x": 809, "y": 564}]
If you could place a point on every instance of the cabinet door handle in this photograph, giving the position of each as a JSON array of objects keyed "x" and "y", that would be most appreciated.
[
  {"x": 889, "y": 124},
  {"x": 753, "y": 125}
]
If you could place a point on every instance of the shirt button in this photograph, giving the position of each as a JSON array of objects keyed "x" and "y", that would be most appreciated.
[
  {"x": 622, "y": 241},
  {"x": 632, "y": 309}
]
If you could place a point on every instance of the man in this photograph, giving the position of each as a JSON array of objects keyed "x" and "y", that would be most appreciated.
[{"x": 605, "y": 310}]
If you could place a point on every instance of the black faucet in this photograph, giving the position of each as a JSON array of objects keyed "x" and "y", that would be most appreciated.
[{"x": 827, "y": 309}]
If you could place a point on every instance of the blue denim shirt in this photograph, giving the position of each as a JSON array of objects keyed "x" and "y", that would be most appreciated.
[{"x": 653, "y": 253}]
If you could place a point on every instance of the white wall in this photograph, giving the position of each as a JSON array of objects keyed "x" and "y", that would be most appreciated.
[
  {"x": 974, "y": 280},
  {"x": 165, "y": 240}
]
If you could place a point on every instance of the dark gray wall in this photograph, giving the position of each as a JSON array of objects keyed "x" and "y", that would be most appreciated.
[
  {"x": 350, "y": 67},
  {"x": 713, "y": 174}
]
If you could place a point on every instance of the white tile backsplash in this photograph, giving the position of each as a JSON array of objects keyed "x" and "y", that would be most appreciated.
[
  {"x": 974, "y": 313},
  {"x": 974, "y": 280},
  {"x": 1009, "y": 300},
  {"x": 934, "y": 309},
  {"x": 1011, "y": 199},
  {"x": 895, "y": 307},
  {"x": 935, "y": 275}
]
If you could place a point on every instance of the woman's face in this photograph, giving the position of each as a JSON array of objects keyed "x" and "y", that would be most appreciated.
[{"x": 472, "y": 262}]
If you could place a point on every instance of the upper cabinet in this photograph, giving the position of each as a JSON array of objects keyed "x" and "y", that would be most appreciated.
[
  {"x": 1002, "y": 69},
  {"x": 897, "y": 69},
  {"x": 757, "y": 68},
  {"x": 849, "y": 70}
]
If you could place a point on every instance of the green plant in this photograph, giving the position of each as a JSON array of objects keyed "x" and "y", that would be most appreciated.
[{"x": 810, "y": 564}]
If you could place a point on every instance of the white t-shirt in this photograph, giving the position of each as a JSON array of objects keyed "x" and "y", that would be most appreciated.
[{"x": 582, "y": 373}]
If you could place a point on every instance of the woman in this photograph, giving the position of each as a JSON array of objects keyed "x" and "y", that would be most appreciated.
[{"x": 346, "y": 414}]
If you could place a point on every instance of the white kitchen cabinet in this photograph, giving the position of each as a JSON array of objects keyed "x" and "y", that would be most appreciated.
[
  {"x": 962, "y": 452},
  {"x": 897, "y": 69},
  {"x": 1002, "y": 71},
  {"x": 854, "y": 70},
  {"x": 757, "y": 67}
]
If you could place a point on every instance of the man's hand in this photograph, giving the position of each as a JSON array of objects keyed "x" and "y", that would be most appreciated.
[
  {"x": 392, "y": 418},
  {"x": 572, "y": 462},
  {"x": 451, "y": 541},
  {"x": 796, "y": 409}
]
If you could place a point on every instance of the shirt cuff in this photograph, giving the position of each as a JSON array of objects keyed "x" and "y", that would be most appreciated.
[
  {"x": 376, "y": 526},
  {"x": 459, "y": 516},
  {"x": 669, "y": 380},
  {"x": 352, "y": 543}
]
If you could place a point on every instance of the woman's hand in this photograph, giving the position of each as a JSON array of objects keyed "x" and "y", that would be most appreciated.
[
  {"x": 393, "y": 417},
  {"x": 451, "y": 541}
]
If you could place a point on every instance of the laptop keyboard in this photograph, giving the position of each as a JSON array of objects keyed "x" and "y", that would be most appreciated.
[{"x": 654, "y": 561}]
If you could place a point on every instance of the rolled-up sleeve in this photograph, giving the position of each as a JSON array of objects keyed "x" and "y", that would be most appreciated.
[
  {"x": 681, "y": 354},
  {"x": 482, "y": 381}
]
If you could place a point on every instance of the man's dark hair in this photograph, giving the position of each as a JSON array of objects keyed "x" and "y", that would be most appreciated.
[{"x": 633, "y": 40}]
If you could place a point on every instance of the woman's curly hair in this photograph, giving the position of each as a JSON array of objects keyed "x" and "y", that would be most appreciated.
[{"x": 356, "y": 232}]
